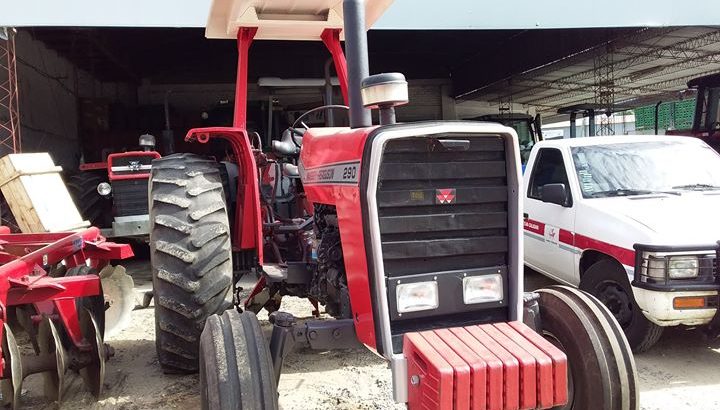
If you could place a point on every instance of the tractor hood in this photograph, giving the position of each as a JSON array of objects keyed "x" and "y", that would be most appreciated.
[{"x": 688, "y": 218}]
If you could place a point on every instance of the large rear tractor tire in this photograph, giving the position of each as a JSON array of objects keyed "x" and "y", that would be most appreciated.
[
  {"x": 189, "y": 253},
  {"x": 92, "y": 207},
  {"x": 601, "y": 368},
  {"x": 607, "y": 281},
  {"x": 236, "y": 370}
]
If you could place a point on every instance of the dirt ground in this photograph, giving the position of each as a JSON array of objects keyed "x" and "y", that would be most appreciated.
[{"x": 680, "y": 373}]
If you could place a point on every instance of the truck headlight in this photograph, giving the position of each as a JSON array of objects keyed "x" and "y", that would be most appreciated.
[
  {"x": 104, "y": 189},
  {"x": 412, "y": 297},
  {"x": 655, "y": 267},
  {"x": 683, "y": 267},
  {"x": 482, "y": 289}
]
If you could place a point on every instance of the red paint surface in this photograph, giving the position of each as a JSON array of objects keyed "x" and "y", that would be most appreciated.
[
  {"x": 508, "y": 366},
  {"x": 23, "y": 280},
  {"x": 245, "y": 37},
  {"x": 331, "y": 39},
  {"x": 247, "y": 232},
  {"x": 145, "y": 175}
]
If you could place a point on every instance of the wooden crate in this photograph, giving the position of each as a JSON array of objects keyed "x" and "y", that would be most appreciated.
[{"x": 36, "y": 194}]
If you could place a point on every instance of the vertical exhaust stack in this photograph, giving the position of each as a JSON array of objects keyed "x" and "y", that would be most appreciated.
[{"x": 357, "y": 56}]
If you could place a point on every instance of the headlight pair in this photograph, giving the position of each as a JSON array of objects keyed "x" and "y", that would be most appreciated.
[
  {"x": 677, "y": 267},
  {"x": 418, "y": 296}
]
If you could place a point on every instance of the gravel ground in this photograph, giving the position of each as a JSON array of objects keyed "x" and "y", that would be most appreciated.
[{"x": 680, "y": 373}]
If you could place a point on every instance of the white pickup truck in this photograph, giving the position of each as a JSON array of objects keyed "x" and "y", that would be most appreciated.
[{"x": 632, "y": 220}]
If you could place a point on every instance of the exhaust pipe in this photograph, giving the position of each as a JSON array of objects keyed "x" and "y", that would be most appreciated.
[{"x": 357, "y": 57}]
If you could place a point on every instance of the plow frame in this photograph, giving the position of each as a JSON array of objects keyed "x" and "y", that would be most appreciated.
[{"x": 25, "y": 279}]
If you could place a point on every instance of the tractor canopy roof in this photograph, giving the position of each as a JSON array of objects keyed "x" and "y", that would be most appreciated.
[
  {"x": 283, "y": 19},
  {"x": 712, "y": 80}
]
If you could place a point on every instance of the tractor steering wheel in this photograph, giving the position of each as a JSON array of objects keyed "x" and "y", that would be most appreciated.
[{"x": 293, "y": 128}]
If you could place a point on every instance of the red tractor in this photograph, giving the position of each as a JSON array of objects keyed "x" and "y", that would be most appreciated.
[
  {"x": 706, "y": 123},
  {"x": 112, "y": 194},
  {"x": 409, "y": 235}
]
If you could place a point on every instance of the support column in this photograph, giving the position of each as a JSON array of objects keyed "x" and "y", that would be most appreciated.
[{"x": 245, "y": 37}]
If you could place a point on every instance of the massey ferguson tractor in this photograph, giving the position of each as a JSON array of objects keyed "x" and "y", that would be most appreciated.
[
  {"x": 409, "y": 235},
  {"x": 112, "y": 194},
  {"x": 706, "y": 123}
]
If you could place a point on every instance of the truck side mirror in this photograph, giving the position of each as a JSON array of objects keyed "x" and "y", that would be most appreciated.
[{"x": 554, "y": 194}]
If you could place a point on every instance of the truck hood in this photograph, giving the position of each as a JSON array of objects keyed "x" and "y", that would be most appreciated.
[{"x": 689, "y": 218}]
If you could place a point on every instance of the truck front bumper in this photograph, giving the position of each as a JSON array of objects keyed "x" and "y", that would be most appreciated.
[
  {"x": 493, "y": 366},
  {"x": 659, "y": 306},
  {"x": 666, "y": 294}
]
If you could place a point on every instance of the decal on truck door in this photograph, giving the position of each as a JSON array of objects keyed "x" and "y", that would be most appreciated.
[
  {"x": 575, "y": 242},
  {"x": 552, "y": 234}
]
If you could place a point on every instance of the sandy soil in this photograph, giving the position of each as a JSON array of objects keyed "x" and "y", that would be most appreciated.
[{"x": 680, "y": 373}]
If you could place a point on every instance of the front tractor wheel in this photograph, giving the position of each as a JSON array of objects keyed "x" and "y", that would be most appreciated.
[
  {"x": 607, "y": 281},
  {"x": 601, "y": 368},
  {"x": 236, "y": 370},
  {"x": 189, "y": 253}
]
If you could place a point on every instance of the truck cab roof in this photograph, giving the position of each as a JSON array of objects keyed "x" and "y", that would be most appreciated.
[{"x": 621, "y": 139}]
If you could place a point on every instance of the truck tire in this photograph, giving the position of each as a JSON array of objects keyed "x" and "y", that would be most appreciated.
[
  {"x": 190, "y": 255},
  {"x": 236, "y": 370},
  {"x": 92, "y": 207},
  {"x": 602, "y": 372},
  {"x": 607, "y": 281}
]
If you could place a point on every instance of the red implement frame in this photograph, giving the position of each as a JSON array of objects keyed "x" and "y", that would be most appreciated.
[
  {"x": 500, "y": 366},
  {"x": 247, "y": 232},
  {"x": 23, "y": 279}
]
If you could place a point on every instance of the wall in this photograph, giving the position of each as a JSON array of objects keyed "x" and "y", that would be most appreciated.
[{"x": 48, "y": 87}]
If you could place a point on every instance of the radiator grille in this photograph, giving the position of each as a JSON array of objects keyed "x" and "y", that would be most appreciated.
[
  {"x": 130, "y": 197},
  {"x": 443, "y": 206}
]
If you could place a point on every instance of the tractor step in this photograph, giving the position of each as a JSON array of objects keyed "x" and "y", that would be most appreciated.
[{"x": 492, "y": 366}]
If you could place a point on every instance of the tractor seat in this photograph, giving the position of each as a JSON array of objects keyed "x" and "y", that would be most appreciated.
[{"x": 285, "y": 146}]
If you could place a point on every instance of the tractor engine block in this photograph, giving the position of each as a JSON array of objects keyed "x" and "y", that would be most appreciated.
[{"x": 329, "y": 283}]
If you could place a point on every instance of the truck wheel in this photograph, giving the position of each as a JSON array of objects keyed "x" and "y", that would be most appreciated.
[
  {"x": 601, "y": 369},
  {"x": 236, "y": 370},
  {"x": 92, "y": 207},
  {"x": 189, "y": 253},
  {"x": 608, "y": 282}
]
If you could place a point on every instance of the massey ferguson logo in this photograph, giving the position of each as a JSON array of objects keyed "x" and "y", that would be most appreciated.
[
  {"x": 445, "y": 196},
  {"x": 134, "y": 166}
]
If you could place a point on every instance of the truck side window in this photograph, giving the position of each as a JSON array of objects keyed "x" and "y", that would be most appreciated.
[{"x": 549, "y": 169}]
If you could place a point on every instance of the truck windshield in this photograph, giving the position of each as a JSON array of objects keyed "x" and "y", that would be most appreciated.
[{"x": 643, "y": 168}]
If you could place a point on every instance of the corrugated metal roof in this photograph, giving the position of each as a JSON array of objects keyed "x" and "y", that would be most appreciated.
[{"x": 641, "y": 67}]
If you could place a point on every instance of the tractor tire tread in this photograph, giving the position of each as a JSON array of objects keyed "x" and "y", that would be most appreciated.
[
  {"x": 190, "y": 255},
  {"x": 234, "y": 342}
]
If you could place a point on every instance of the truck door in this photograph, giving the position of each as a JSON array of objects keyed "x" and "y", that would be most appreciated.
[{"x": 549, "y": 226}]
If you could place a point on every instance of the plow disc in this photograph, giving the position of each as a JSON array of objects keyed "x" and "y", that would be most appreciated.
[
  {"x": 117, "y": 288},
  {"x": 54, "y": 360}
]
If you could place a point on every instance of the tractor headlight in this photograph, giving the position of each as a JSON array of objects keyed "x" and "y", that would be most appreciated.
[
  {"x": 104, "y": 189},
  {"x": 482, "y": 289},
  {"x": 412, "y": 297},
  {"x": 683, "y": 267}
]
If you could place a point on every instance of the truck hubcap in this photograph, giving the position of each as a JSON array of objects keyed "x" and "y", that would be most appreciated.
[{"x": 612, "y": 295}]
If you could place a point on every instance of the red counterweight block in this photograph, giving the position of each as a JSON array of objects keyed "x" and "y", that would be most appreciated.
[{"x": 501, "y": 366}]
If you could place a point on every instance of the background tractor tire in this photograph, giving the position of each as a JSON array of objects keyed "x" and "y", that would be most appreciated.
[
  {"x": 190, "y": 255},
  {"x": 602, "y": 372},
  {"x": 92, "y": 207},
  {"x": 236, "y": 370},
  {"x": 608, "y": 282}
]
